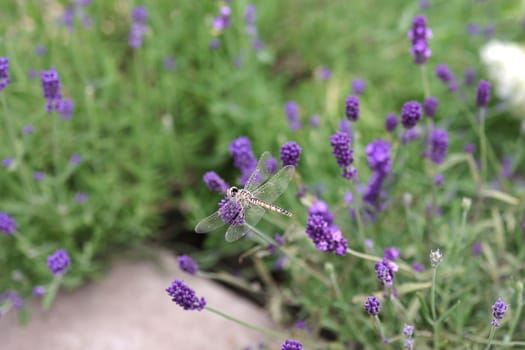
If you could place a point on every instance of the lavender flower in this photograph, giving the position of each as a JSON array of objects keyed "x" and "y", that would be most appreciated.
[
  {"x": 251, "y": 29},
  {"x": 352, "y": 108},
  {"x": 340, "y": 143},
  {"x": 469, "y": 148},
  {"x": 231, "y": 212},
  {"x": 385, "y": 272},
  {"x": 65, "y": 108},
  {"x": 470, "y": 76},
  {"x": 222, "y": 21},
  {"x": 75, "y": 159},
  {"x": 169, "y": 63},
  {"x": 39, "y": 291},
  {"x": 138, "y": 27},
  {"x": 391, "y": 122},
  {"x": 81, "y": 197},
  {"x": 372, "y": 306},
  {"x": 445, "y": 75},
  {"x": 417, "y": 267},
  {"x": 483, "y": 94},
  {"x": 373, "y": 191},
  {"x": 358, "y": 86},
  {"x": 8, "y": 225},
  {"x": 28, "y": 129},
  {"x": 498, "y": 312},
  {"x": 31, "y": 74},
  {"x": 321, "y": 208},
  {"x": 184, "y": 296},
  {"x": 58, "y": 262},
  {"x": 438, "y": 146},
  {"x": 292, "y": 113},
  {"x": 477, "y": 248},
  {"x": 7, "y": 162},
  {"x": 378, "y": 155},
  {"x": 430, "y": 106},
  {"x": 215, "y": 182},
  {"x": 410, "y": 114},
  {"x": 38, "y": 176},
  {"x": 291, "y": 345},
  {"x": 290, "y": 153},
  {"x": 15, "y": 299},
  {"x": 439, "y": 179},
  {"x": 327, "y": 238},
  {"x": 187, "y": 264},
  {"x": 418, "y": 35},
  {"x": 345, "y": 126},
  {"x": 243, "y": 158},
  {"x": 408, "y": 330},
  {"x": 411, "y": 135},
  {"x": 52, "y": 89},
  {"x": 4, "y": 73},
  {"x": 315, "y": 120},
  {"x": 323, "y": 73},
  {"x": 40, "y": 50},
  {"x": 391, "y": 253}
]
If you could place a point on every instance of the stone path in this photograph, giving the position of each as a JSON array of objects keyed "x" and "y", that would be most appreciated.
[{"x": 130, "y": 310}]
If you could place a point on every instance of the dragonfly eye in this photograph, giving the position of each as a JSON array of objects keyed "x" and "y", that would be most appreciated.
[{"x": 232, "y": 191}]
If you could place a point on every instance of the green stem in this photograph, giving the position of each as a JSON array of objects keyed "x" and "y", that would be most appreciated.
[
  {"x": 483, "y": 144},
  {"x": 335, "y": 284},
  {"x": 491, "y": 337},
  {"x": 247, "y": 325},
  {"x": 357, "y": 206},
  {"x": 292, "y": 258},
  {"x": 435, "y": 323},
  {"x": 379, "y": 327},
  {"x": 424, "y": 80},
  {"x": 8, "y": 125}
]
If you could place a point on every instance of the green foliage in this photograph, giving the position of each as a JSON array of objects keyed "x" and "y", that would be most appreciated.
[{"x": 144, "y": 132}]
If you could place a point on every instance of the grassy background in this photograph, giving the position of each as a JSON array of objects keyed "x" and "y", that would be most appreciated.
[{"x": 147, "y": 135}]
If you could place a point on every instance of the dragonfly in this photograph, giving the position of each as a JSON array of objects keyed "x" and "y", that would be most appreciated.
[{"x": 258, "y": 194}]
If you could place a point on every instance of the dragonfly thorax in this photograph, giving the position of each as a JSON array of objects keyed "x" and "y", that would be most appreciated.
[
  {"x": 238, "y": 194},
  {"x": 232, "y": 191}
]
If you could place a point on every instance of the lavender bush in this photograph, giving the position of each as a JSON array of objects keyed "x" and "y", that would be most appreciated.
[{"x": 408, "y": 194}]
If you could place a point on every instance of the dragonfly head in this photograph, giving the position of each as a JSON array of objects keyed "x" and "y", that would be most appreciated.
[{"x": 232, "y": 191}]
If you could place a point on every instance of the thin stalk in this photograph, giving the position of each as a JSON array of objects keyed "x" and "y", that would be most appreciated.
[
  {"x": 424, "y": 81},
  {"x": 265, "y": 331},
  {"x": 8, "y": 125},
  {"x": 379, "y": 327},
  {"x": 483, "y": 144},
  {"x": 357, "y": 209},
  {"x": 491, "y": 337},
  {"x": 435, "y": 323},
  {"x": 292, "y": 258}
]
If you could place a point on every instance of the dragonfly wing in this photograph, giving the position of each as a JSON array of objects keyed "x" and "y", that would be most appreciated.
[
  {"x": 260, "y": 174},
  {"x": 252, "y": 216},
  {"x": 211, "y": 223},
  {"x": 277, "y": 184}
]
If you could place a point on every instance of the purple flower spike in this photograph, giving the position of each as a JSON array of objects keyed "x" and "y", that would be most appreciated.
[
  {"x": 292, "y": 345},
  {"x": 352, "y": 108},
  {"x": 292, "y": 113},
  {"x": 215, "y": 182},
  {"x": 439, "y": 179},
  {"x": 438, "y": 146},
  {"x": 470, "y": 76},
  {"x": 4, "y": 73},
  {"x": 483, "y": 94},
  {"x": 243, "y": 158},
  {"x": 391, "y": 122},
  {"x": 8, "y": 225},
  {"x": 378, "y": 155},
  {"x": 445, "y": 75},
  {"x": 28, "y": 129},
  {"x": 430, "y": 106},
  {"x": 271, "y": 165},
  {"x": 52, "y": 89},
  {"x": 385, "y": 272},
  {"x": 419, "y": 35},
  {"x": 340, "y": 143},
  {"x": 187, "y": 264},
  {"x": 39, "y": 176},
  {"x": 139, "y": 14},
  {"x": 39, "y": 291},
  {"x": 498, "y": 312},
  {"x": 81, "y": 197},
  {"x": 215, "y": 43},
  {"x": 75, "y": 159},
  {"x": 326, "y": 237},
  {"x": 6, "y": 163},
  {"x": 290, "y": 153},
  {"x": 372, "y": 306},
  {"x": 231, "y": 212},
  {"x": 184, "y": 296},
  {"x": 169, "y": 63},
  {"x": 410, "y": 114},
  {"x": 391, "y": 253},
  {"x": 358, "y": 86},
  {"x": 58, "y": 262}
]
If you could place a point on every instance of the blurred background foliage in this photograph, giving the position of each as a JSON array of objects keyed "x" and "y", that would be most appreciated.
[{"x": 147, "y": 134}]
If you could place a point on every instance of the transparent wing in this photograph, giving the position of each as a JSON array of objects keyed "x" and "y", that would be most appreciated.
[
  {"x": 252, "y": 214},
  {"x": 260, "y": 174},
  {"x": 277, "y": 184},
  {"x": 211, "y": 223}
]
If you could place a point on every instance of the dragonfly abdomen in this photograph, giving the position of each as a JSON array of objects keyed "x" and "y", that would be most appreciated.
[{"x": 269, "y": 206}]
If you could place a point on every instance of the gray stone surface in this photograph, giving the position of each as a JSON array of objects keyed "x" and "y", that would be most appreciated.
[{"x": 129, "y": 309}]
